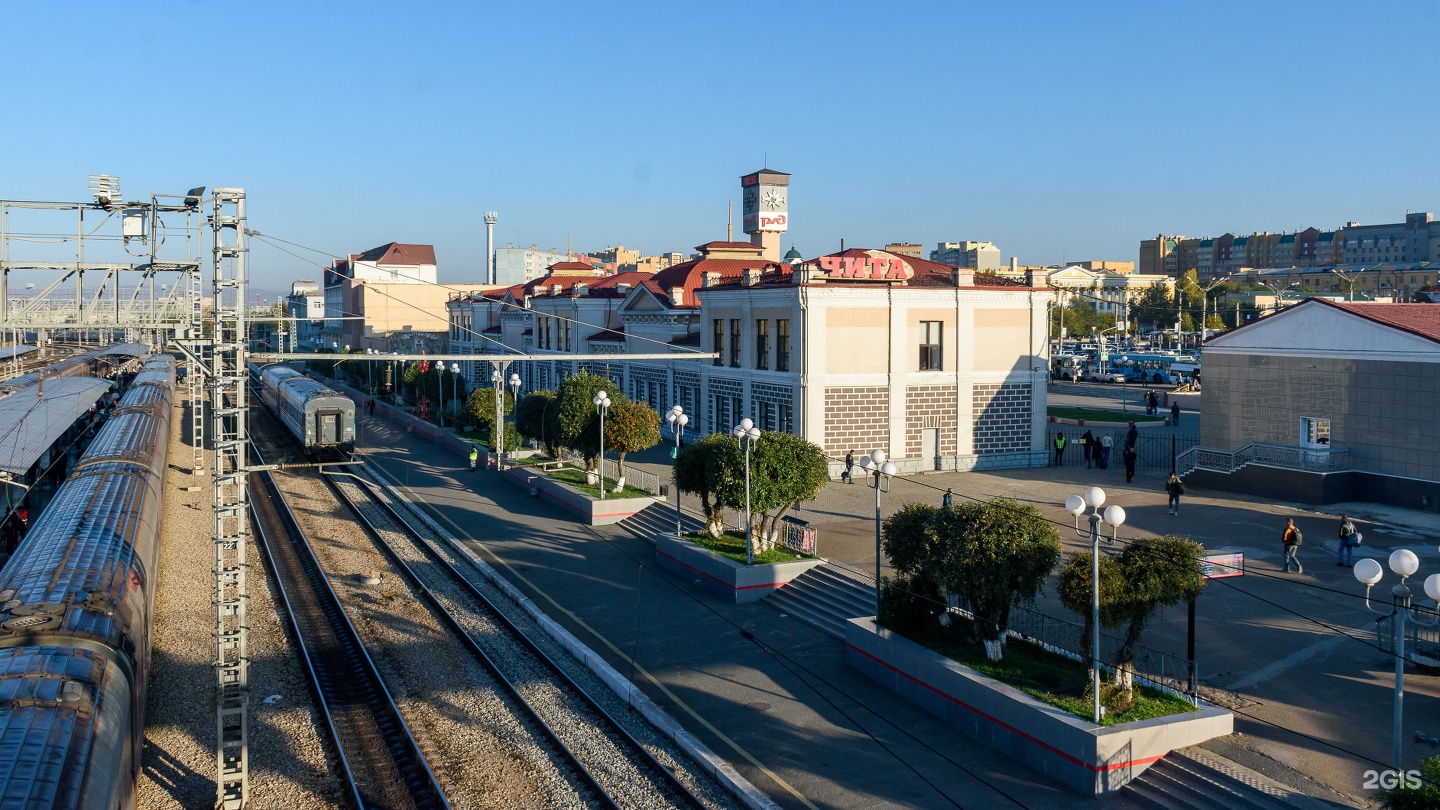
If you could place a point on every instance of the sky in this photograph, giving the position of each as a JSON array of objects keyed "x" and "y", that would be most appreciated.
[{"x": 1058, "y": 131}]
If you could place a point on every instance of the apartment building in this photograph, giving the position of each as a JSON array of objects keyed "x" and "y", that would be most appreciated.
[{"x": 981, "y": 257}]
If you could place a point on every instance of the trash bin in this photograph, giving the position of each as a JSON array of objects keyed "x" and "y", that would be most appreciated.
[{"x": 1165, "y": 399}]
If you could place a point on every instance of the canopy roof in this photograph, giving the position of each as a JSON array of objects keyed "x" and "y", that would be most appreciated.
[
  {"x": 129, "y": 349},
  {"x": 7, "y": 352},
  {"x": 29, "y": 422}
]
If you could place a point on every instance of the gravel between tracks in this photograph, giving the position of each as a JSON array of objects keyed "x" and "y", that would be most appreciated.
[
  {"x": 481, "y": 754},
  {"x": 289, "y": 769}
]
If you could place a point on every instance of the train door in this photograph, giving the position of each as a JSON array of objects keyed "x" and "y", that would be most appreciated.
[{"x": 327, "y": 427}]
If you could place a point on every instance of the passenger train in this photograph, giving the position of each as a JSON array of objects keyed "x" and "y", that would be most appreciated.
[
  {"x": 321, "y": 419},
  {"x": 76, "y": 603},
  {"x": 94, "y": 363}
]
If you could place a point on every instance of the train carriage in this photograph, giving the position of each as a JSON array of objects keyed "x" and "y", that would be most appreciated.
[{"x": 321, "y": 419}]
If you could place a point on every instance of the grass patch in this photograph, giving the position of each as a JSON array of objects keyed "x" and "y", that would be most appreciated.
[
  {"x": 576, "y": 479},
  {"x": 1098, "y": 415},
  {"x": 732, "y": 544},
  {"x": 1048, "y": 677}
]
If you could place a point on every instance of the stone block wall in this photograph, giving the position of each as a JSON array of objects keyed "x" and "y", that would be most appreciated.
[
  {"x": 1002, "y": 413},
  {"x": 856, "y": 418},
  {"x": 934, "y": 405}
]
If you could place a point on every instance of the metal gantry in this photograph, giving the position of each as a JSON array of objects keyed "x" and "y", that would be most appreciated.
[{"x": 230, "y": 439}]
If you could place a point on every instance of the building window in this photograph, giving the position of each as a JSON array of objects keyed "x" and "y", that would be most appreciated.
[
  {"x": 737, "y": 408},
  {"x": 719, "y": 344},
  {"x": 721, "y": 423},
  {"x": 782, "y": 345},
  {"x": 762, "y": 344},
  {"x": 787, "y": 424},
  {"x": 735, "y": 343},
  {"x": 1314, "y": 432},
  {"x": 930, "y": 359}
]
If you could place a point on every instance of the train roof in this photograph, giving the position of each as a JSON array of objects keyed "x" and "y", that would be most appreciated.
[
  {"x": 127, "y": 349},
  {"x": 30, "y": 423},
  {"x": 9, "y": 352}
]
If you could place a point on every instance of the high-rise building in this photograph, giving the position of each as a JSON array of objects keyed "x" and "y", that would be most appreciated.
[
  {"x": 979, "y": 256},
  {"x": 910, "y": 249},
  {"x": 518, "y": 265}
]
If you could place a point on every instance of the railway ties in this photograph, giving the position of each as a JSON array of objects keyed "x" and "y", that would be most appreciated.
[
  {"x": 612, "y": 766},
  {"x": 380, "y": 759}
]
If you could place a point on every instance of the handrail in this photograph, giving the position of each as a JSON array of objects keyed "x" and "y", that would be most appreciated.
[{"x": 1289, "y": 457}]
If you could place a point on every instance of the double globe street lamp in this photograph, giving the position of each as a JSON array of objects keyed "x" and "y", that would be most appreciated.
[
  {"x": 497, "y": 434},
  {"x": 601, "y": 401},
  {"x": 746, "y": 434},
  {"x": 881, "y": 470},
  {"x": 678, "y": 419},
  {"x": 1094, "y": 497},
  {"x": 1369, "y": 573}
]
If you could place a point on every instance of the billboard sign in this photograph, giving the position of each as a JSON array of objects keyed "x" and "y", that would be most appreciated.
[
  {"x": 1222, "y": 564},
  {"x": 883, "y": 267}
]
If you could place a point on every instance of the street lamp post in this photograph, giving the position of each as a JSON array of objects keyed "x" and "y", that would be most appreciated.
[
  {"x": 1124, "y": 385},
  {"x": 746, "y": 435},
  {"x": 497, "y": 433},
  {"x": 602, "y": 404},
  {"x": 678, "y": 420},
  {"x": 881, "y": 470},
  {"x": 1094, "y": 497},
  {"x": 440, "y": 369},
  {"x": 395, "y": 382},
  {"x": 1368, "y": 572}
]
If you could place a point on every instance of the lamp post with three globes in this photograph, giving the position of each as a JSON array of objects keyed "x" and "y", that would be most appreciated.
[
  {"x": 678, "y": 419},
  {"x": 1094, "y": 497},
  {"x": 746, "y": 434},
  {"x": 601, "y": 401},
  {"x": 881, "y": 470}
]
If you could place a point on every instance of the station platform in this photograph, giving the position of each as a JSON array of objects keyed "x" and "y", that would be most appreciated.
[{"x": 782, "y": 707}]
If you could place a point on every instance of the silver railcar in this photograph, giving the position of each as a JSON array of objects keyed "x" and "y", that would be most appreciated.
[
  {"x": 321, "y": 419},
  {"x": 76, "y": 605}
]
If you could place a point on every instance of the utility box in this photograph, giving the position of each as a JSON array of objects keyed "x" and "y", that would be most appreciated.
[{"x": 132, "y": 224}]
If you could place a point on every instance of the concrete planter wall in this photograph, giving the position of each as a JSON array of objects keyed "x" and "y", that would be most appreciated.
[
  {"x": 722, "y": 576},
  {"x": 1090, "y": 759},
  {"x": 594, "y": 511}
]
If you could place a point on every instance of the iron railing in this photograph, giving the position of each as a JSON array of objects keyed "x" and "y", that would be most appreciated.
[
  {"x": 1151, "y": 452},
  {"x": 1307, "y": 459},
  {"x": 635, "y": 477}
]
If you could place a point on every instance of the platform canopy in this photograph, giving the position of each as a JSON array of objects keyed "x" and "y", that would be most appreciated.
[
  {"x": 9, "y": 352},
  {"x": 29, "y": 422},
  {"x": 127, "y": 349}
]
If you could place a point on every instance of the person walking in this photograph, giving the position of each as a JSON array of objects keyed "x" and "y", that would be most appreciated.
[
  {"x": 1132, "y": 436},
  {"x": 474, "y": 457},
  {"x": 1349, "y": 539},
  {"x": 1107, "y": 443},
  {"x": 1059, "y": 449},
  {"x": 1292, "y": 540},
  {"x": 1175, "y": 413},
  {"x": 1176, "y": 488},
  {"x": 372, "y": 406},
  {"x": 1154, "y": 403},
  {"x": 948, "y": 501},
  {"x": 1129, "y": 458},
  {"x": 849, "y": 475},
  {"x": 1087, "y": 447}
]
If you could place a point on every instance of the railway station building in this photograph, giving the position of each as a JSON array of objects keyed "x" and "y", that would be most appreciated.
[{"x": 858, "y": 350}]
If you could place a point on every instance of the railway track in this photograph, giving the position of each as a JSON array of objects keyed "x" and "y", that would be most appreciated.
[
  {"x": 380, "y": 760},
  {"x": 610, "y": 763}
]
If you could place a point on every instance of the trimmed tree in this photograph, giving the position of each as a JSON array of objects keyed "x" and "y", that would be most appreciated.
[
  {"x": 784, "y": 469},
  {"x": 993, "y": 555},
  {"x": 574, "y": 421},
  {"x": 1073, "y": 588},
  {"x": 531, "y": 419},
  {"x": 480, "y": 407},
  {"x": 912, "y": 599},
  {"x": 630, "y": 427},
  {"x": 697, "y": 469}
]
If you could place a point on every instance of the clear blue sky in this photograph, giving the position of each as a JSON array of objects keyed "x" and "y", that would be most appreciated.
[{"x": 1053, "y": 129}]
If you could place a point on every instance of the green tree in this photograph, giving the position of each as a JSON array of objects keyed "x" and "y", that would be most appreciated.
[
  {"x": 1422, "y": 796},
  {"x": 784, "y": 470},
  {"x": 697, "y": 471},
  {"x": 630, "y": 427},
  {"x": 912, "y": 599},
  {"x": 994, "y": 555},
  {"x": 480, "y": 407},
  {"x": 574, "y": 421},
  {"x": 1073, "y": 588},
  {"x": 1155, "y": 306},
  {"x": 1080, "y": 318},
  {"x": 531, "y": 417}
]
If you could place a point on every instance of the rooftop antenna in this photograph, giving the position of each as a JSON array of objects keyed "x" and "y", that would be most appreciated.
[
  {"x": 842, "y": 244},
  {"x": 730, "y": 221},
  {"x": 569, "y": 254}
]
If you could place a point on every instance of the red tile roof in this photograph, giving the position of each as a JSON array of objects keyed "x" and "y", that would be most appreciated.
[
  {"x": 608, "y": 336},
  {"x": 690, "y": 275},
  {"x": 1417, "y": 319},
  {"x": 721, "y": 245},
  {"x": 571, "y": 268},
  {"x": 396, "y": 253}
]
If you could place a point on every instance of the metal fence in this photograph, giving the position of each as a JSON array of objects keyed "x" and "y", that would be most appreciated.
[
  {"x": 634, "y": 476},
  {"x": 1167, "y": 671},
  {"x": 1308, "y": 459},
  {"x": 1151, "y": 452},
  {"x": 1422, "y": 643}
]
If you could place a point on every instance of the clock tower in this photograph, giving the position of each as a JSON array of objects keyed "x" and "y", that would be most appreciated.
[{"x": 766, "y": 209}]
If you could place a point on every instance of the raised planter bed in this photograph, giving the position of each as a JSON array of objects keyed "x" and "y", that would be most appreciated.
[
  {"x": 1091, "y": 759},
  {"x": 722, "y": 576},
  {"x": 593, "y": 511}
]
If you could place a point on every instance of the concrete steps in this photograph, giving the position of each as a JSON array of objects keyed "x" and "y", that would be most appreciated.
[
  {"x": 827, "y": 596},
  {"x": 659, "y": 519},
  {"x": 1196, "y": 779}
]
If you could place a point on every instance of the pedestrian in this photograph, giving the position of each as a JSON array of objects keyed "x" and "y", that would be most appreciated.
[
  {"x": 474, "y": 456},
  {"x": 1292, "y": 540},
  {"x": 24, "y": 515},
  {"x": 1176, "y": 488},
  {"x": 372, "y": 406},
  {"x": 1107, "y": 443},
  {"x": 1132, "y": 436},
  {"x": 1087, "y": 447},
  {"x": 1153, "y": 402},
  {"x": 949, "y": 500},
  {"x": 1175, "y": 413},
  {"x": 1129, "y": 458},
  {"x": 1349, "y": 539},
  {"x": 849, "y": 475},
  {"x": 1059, "y": 449}
]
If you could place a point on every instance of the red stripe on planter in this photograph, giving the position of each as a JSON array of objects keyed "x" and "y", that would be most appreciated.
[{"x": 1007, "y": 726}]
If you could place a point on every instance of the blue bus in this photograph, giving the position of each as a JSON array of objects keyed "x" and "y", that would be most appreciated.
[{"x": 1140, "y": 367}]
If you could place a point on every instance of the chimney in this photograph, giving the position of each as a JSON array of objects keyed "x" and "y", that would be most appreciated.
[
  {"x": 750, "y": 276},
  {"x": 712, "y": 278},
  {"x": 556, "y": 288},
  {"x": 582, "y": 289},
  {"x": 623, "y": 289},
  {"x": 1014, "y": 264},
  {"x": 1033, "y": 277},
  {"x": 677, "y": 296},
  {"x": 964, "y": 276}
]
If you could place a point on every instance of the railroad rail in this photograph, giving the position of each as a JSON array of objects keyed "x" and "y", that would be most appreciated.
[
  {"x": 441, "y": 575},
  {"x": 380, "y": 760}
]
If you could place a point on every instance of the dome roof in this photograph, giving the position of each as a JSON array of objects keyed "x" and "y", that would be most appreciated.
[{"x": 793, "y": 256}]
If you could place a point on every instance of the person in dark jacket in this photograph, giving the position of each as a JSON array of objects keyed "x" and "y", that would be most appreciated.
[
  {"x": 1345, "y": 554},
  {"x": 1129, "y": 458},
  {"x": 849, "y": 475},
  {"x": 1175, "y": 487},
  {"x": 1059, "y": 449},
  {"x": 1175, "y": 413},
  {"x": 1087, "y": 447}
]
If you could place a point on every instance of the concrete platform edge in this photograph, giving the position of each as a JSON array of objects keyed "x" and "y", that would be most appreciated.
[{"x": 718, "y": 768}]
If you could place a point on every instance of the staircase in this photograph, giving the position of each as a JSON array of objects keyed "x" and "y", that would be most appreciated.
[
  {"x": 658, "y": 518},
  {"x": 1307, "y": 459},
  {"x": 827, "y": 596},
  {"x": 1195, "y": 779}
]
